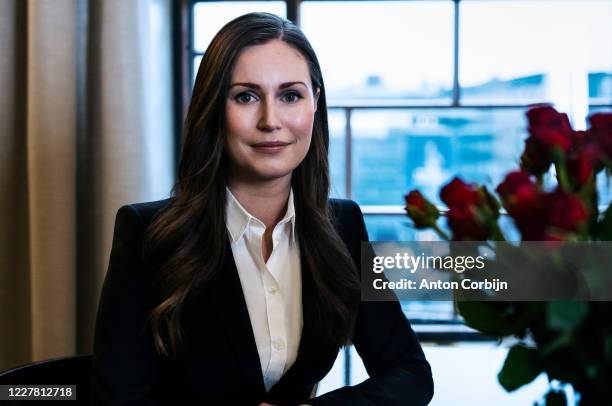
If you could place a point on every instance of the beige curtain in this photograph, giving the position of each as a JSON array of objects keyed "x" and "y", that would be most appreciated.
[{"x": 85, "y": 126}]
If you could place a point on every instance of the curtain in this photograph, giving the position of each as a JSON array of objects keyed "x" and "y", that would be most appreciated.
[{"x": 85, "y": 127}]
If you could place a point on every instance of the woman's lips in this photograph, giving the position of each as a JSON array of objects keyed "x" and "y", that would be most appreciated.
[{"x": 270, "y": 146}]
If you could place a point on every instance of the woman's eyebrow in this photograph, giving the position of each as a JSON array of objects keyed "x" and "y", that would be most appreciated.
[{"x": 256, "y": 86}]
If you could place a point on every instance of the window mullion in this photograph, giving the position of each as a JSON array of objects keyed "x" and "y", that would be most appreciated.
[
  {"x": 348, "y": 154},
  {"x": 293, "y": 11},
  {"x": 456, "y": 88}
]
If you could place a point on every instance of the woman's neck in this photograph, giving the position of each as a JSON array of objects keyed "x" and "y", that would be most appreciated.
[{"x": 267, "y": 201}]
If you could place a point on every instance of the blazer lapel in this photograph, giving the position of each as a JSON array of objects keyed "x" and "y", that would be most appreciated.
[{"x": 234, "y": 315}]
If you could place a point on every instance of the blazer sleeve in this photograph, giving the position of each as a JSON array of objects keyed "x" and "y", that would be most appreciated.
[
  {"x": 398, "y": 372},
  {"x": 124, "y": 367}
]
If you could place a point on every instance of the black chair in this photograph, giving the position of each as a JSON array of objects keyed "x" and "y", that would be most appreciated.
[{"x": 74, "y": 370}]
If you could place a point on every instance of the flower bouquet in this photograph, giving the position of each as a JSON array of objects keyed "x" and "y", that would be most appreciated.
[{"x": 570, "y": 341}]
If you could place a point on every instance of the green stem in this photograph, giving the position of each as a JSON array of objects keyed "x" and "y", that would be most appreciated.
[
  {"x": 497, "y": 233},
  {"x": 562, "y": 176},
  {"x": 440, "y": 232}
]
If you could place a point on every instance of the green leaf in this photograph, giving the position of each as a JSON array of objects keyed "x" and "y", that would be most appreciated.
[
  {"x": 604, "y": 227},
  {"x": 608, "y": 348},
  {"x": 556, "y": 398},
  {"x": 557, "y": 343},
  {"x": 565, "y": 365},
  {"x": 522, "y": 366},
  {"x": 485, "y": 317},
  {"x": 566, "y": 315}
]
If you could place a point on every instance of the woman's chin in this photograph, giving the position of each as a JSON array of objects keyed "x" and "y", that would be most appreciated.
[
  {"x": 268, "y": 174},
  {"x": 277, "y": 175}
]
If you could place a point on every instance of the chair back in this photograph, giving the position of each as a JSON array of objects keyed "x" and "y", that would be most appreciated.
[{"x": 74, "y": 370}]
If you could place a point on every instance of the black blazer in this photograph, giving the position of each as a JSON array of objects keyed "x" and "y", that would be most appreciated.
[{"x": 220, "y": 364}]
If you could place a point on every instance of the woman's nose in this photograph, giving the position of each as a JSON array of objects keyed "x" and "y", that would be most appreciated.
[{"x": 269, "y": 119}]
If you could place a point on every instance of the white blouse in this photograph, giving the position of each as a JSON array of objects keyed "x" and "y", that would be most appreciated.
[{"x": 272, "y": 289}]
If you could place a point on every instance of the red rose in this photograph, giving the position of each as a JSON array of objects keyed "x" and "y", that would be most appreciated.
[
  {"x": 550, "y": 134},
  {"x": 550, "y": 138},
  {"x": 466, "y": 225},
  {"x": 601, "y": 122},
  {"x": 548, "y": 117},
  {"x": 579, "y": 169},
  {"x": 583, "y": 164},
  {"x": 565, "y": 212},
  {"x": 552, "y": 217},
  {"x": 601, "y": 129},
  {"x": 459, "y": 194},
  {"x": 534, "y": 159},
  {"x": 420, "y": 211},
  {"x": 516, "y": 183},
  {"x": 416, "y": 200},
  {"x": 523, "y": 201},
  {"x": 472, "y": 212},
  {"x": 580, "y": 139}
]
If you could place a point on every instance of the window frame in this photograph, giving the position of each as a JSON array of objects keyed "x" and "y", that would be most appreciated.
[
  {"x": 348, "y": 106},
  {"x": 428, "y": 331},
  {"x": 450, "y": 330}
]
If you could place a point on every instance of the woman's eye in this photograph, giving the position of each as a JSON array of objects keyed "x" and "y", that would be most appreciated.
[
  {"x": 244, "y": 98},
  {"x": 292, "y": 97}
]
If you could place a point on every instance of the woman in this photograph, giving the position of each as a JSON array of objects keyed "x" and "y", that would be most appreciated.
[{"x": 242, "y": 287}]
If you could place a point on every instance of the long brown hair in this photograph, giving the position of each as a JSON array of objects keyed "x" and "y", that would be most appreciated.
[{"x": 188, "y": 239}]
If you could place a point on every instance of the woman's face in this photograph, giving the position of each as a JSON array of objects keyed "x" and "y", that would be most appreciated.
[{"x": 269, "y": 112}]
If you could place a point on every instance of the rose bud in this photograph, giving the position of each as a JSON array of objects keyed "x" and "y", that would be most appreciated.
[
  {"x": 565, "y": 212},
  {"x": 582, "y": 164},
  {"x": 534, "y": 160},
  {"x": 423, "y": 213},
  {"x": 548, "y": 117},
  {"x": 458, "y": 193},
  {"x": 517, "y": 190},
  {"x": 550, "y": 139},
  {"x": 601, "y": 122},
  {"x": 522, "y": 199},
  {"x": 472, "y": 212},
  {"x": 514, "y": 183},
  {"x": 466, "y": 225},
  {"x": 550, "y": 136},
  {"x": 579, "y": 139}
]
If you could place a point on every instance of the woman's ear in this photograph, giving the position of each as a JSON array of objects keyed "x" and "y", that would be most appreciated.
[{"x": 316, "y": 98}]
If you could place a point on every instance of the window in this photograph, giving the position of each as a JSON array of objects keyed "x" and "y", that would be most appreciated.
[
  {"x": 419, "y": 91},
  {"x": 560, "y": 51},
  {"x": 462, "y": 74},
  {"x": 422, "y": 90},
  {"x": 209, "y": 16},
  {"x": 383, "y": 50}
]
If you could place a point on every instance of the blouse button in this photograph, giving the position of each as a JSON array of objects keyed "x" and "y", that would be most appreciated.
[{"x": 279, "y": 345}]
